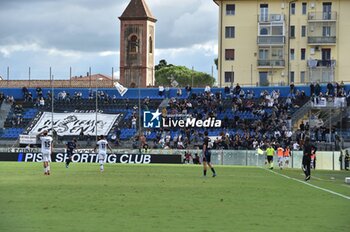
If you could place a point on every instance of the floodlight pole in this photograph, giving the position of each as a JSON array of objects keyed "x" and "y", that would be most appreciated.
[
  {"x": 139, "y": 93},
  {"x": 52, "y": 96}
]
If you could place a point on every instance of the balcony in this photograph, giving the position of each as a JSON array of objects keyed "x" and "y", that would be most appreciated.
[
  {"x": 271, "y": 63},
  {"x": 270, "y": 40},
  {"x": 321, "y": 70},
  {"x": 268, "y": 18},
  {"x": 321, "y": 40},
  {"x": 322, "y": 16},
  {"x": 321, "y": 63}
]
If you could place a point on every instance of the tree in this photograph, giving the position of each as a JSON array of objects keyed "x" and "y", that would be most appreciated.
[
  {"x": 216, "y": 61},
  {"x": 183, "y": 75},
  {"x": 162, "y": 64}
]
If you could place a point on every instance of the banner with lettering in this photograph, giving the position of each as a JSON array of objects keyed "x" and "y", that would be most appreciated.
[{"x": 72, "y": 124}]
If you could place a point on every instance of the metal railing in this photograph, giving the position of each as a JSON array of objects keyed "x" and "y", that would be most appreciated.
[
  {"x": 301, "y": 112},
  {"x": 270, "y": 18},
  {"x": 322, "y": 16},
  {"x": 271, "y": 39},
  {"x": 271, "y": 63},
  {"x": 321, "y": 39}
]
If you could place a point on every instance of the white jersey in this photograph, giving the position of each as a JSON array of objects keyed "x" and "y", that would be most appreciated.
[
  {"x": 102, "y": 146},
  {"x": 46, "y": 144}
]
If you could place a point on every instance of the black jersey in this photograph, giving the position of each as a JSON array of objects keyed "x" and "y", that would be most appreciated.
[
  {"x": 206, "y": 142},
  {"x": 309, "y": 150},
  {"x": 71, "y": 146}
]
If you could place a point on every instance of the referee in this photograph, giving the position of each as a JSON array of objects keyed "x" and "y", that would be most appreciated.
[
  {"x": 207, "y": 155},
  {"x": 308, "y": 151},
  {"x": 270, "y": 151}
]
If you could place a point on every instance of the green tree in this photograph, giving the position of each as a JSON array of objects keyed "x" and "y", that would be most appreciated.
[
  {"x": 183, "y": 75},
  {"x": 216, "y": 62},
  {"x": 162, "y": 64}
]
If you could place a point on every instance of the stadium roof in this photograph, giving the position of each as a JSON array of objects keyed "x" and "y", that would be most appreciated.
[{"x": 137, "y": 10}]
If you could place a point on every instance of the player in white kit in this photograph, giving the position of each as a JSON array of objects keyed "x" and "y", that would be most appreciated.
[
  {"x": 46, "y": 150},
  {"x": 102, "y": 145}
]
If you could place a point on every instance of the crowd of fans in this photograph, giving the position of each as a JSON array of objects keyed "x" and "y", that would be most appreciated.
[
  {"x": 271, "y": 122},
  {"x": 249, "y": 119}
]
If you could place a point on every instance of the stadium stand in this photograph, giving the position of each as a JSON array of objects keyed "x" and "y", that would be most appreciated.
[{"x": 251, "y": 116}]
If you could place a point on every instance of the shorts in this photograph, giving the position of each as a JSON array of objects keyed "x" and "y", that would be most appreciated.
[
  {"x": 286, "y": 159},
  {"x": 46, "y": 157},
  {"x": 70, "y": 154},
  {"x": 280, "y": 159},
  {"x": 102, "y": 156},
  {"x": 269, "y": 158},
  {"x": 207, "y": 156}
]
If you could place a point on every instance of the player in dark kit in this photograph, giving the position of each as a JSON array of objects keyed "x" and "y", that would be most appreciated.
[
  {"x": 71, "y": 145},
  {"x": 207, "y": 155},
  {"x": 308, "y": 151}
]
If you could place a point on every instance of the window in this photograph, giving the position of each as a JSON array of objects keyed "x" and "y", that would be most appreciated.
[
  {"x": 264, "y": 12},
  {"x": 230, "y": 32},
  {"x": 303, "y": 31},
  {"x": 264, "y": 54},
  {"x": 264, "y": 30},
  {"x": 133, "y": 44},
  {"x": 229, "y": 77},
  {"x": 277, "y": 30},
  {"x": 292, "y": 32},
  {"x": 326, "y": 31},
  {"x": 230, "y": 9},
  {"x": 229, "y": 54},
  {"x": 304, "y": 8},
  {"x": 292, "y": 8},
  {"x": 327, "y": 10},
  {"x": 302, "y": 77},
  {"x": 150, "y": 45},
  {"x": 292, "y": 76},
  {"x": 302, "y": 54},
  {"x": 292, "y": 54}
]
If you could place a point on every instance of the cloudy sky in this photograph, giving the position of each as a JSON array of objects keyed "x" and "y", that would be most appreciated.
[{"x": 84, "y": 33}]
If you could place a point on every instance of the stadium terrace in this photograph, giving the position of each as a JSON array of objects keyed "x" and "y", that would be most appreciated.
[{"x": 191, "y": 122}]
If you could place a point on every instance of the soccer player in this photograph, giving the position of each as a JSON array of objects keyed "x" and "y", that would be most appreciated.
[
  {"x": 71, "y": 145},
  {"x": 269, "y": 155},
  {"x": 308, "y": 151},
  {"x": 286, "y": 155},
  {"x": 46, "y": 150},
  {"x": 280, "y": 151},
  {"x": 207, "y": 155},
  {"x": 102, "y": 145}
]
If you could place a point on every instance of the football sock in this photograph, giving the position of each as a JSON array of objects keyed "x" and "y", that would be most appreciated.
[
  {"x": 212, "y": 169},
  {"x": 271, "y": 165},
  {"x": 205, "y": 172}
]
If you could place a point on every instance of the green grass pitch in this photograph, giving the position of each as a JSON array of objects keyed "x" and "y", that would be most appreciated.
[{"x": 168, "y": 198}]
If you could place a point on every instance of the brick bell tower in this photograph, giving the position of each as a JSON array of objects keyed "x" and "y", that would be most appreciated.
[{"x": 137, "y": 33}]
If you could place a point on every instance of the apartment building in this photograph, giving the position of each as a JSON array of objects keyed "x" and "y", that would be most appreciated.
[{"x": 277, "y": 42}]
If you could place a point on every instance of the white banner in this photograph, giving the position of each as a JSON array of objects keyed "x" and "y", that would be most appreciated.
[
  {"x": 27, "y": 139},
  {"x": 74, "y": 123},
  {"x": 340, "y": 102},
  {"x": 322, "y": 102},
  {"x": 121, "y": 89}
]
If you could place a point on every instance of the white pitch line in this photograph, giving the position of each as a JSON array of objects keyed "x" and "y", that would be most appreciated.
[
  {"x": 311, "y": 185},
  {"x": 314, "y": 177}
]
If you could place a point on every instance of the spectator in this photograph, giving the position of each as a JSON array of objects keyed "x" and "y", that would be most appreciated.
[
  {"x": 312, "y": 89},
  {"x": 188, "y": 90},
  {"x": 179, "y": 92},
  {"x": 133, "y": 122},
  {"x": 161, "y": 91}
]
